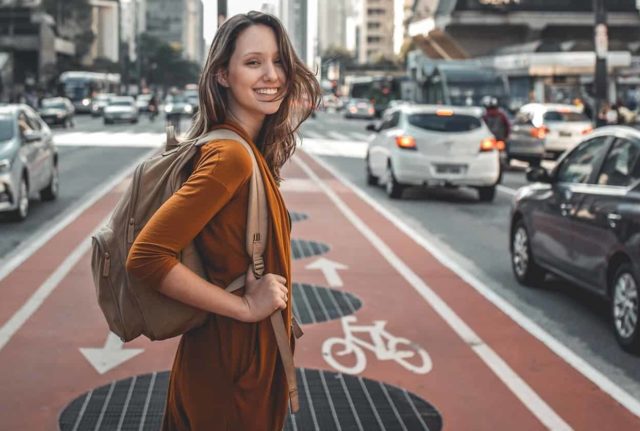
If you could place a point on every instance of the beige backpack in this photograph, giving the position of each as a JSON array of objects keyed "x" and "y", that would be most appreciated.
[{"x": 132, "y": 309}]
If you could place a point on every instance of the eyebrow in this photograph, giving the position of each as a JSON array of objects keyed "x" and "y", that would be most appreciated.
[{"x": 257, "y": 53}]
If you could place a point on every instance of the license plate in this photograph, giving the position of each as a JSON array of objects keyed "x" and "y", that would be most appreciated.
[
  {"x": 565, "y": 134},
  {"x": 450, "y": 169}
]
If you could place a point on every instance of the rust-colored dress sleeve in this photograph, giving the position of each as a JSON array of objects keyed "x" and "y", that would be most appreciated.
[{"x": 222, "y": 168}]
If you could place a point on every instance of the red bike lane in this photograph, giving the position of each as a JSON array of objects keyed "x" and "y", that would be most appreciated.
[{"x": 484, "y": 372}]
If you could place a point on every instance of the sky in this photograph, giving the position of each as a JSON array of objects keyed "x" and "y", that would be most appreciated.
[{"x": 234, "y": 6}]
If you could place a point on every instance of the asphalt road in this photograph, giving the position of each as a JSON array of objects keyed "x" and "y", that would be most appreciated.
[{"x": 476, "y": 236}]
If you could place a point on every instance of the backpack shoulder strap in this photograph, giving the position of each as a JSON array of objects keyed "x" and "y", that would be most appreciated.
[{"x": 257, "y": 224}]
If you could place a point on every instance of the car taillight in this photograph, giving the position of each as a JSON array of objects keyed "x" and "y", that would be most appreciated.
[
  {"x": 488, "y": 144},
  {"x": 372, "y": 111},
  {"x": 587, "y": 130},
  {"x": 500, "y": 146},
  {"x": 353, "y": 110},
  {"x": 540, "y": 132},
  {"x": 406, "y": 142}
]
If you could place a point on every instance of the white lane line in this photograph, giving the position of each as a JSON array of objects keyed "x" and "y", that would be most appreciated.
[
  {"x": 529, "y": 398},
  {"x": 507, "y": 190},
  {"x": 41, "y": 236},
  {"x": 19, "y": 318},
  {"x": 579, "y": 364}
]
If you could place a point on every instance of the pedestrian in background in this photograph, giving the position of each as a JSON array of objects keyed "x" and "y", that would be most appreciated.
[{"x": 227, "y": 374}]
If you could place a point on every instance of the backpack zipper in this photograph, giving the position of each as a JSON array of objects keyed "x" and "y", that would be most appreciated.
[
  {"x": 134, "y": 199},
  {"x": 106, "y": 266}
]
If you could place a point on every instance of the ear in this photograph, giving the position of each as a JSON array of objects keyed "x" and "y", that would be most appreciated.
[{"x": 221, "y": 77}]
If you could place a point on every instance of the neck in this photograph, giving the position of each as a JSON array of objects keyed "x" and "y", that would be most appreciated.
[{"x": 250, "y": 124}]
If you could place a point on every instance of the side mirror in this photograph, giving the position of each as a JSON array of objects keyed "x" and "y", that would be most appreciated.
[
  {"x": 538, "y": 175},
  {"x": 372, "y": 127}
]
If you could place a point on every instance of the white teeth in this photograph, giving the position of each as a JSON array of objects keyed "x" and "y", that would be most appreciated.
[{"x": 269, "y": 91}]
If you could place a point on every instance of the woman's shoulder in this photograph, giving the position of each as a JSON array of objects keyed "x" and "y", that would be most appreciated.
[{"x": 228, "y": 154}]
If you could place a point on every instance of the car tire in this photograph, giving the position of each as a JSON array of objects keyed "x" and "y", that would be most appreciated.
[
  {"x": 372, "y": 180},
  {"x": 50, "y": 192},
  {"x": 22, "y": 211},
  {"x": 625, "y": 292},
  {"x": 393, "y": 188},
  {"x": 487, "y": 194},
  {"x": 535, "y": 163},
  {"x": 524, "y": 267}
]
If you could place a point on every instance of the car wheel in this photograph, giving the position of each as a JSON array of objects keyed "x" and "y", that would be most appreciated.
[
  {"x": 525, "y": 269},
  {"x": 21, "y": 212},
  {"x": 50, "y": 192},
  {"x": 487, "y": 194},
  {"x": 372, "y": 180},
  {"x": 535, "y": 163},
  {"x": 393, "y": 187},
  {"x": 625, "y": 309}
]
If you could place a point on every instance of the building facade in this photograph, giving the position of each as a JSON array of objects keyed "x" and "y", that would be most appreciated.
[
  {"x": 300, "y": 18},
  {"x": 178, "y": 23},
  {"x": 105, "y": 27},
  {"x": 544, "y": 47},
  {"x": 376, "y": 31},
  {"x": 332, "y": 24}
]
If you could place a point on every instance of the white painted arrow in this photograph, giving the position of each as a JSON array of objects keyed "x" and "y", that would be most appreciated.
[
  {"x": 330, "y": 270},
  {"x": 109, "y": 356}
]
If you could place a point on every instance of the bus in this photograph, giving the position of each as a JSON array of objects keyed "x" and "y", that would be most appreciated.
[
  {"x": 463, "y": 85},
  {"x": 380, "y": 90},
  {"x": 81, "y": 86}
]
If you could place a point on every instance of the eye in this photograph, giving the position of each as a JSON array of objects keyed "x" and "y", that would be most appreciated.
[{"x": 252, "y": 63}]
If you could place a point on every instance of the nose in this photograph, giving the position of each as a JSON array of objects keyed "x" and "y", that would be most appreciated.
[{"x": 270, "y": 73}]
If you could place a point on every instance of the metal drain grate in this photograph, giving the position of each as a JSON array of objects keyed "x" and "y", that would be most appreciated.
[
  {"x": 131, "y": 404},
  {"x": 326, "y": 400},
  {"x": 314, "y": 304},
  {"x": 301, "y": 248},
  {"x": 296, "y": 216}
]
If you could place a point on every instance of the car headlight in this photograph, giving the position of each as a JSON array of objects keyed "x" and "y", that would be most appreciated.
[
  {"x": 5, "y": 165},
  {"x": 86, "y": 102},
  {"x": 168, "y": 109},
  {"x": 188, "y": 109}
]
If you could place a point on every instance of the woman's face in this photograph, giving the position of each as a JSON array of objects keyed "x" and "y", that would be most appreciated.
[{"x": 255, "y": 77}]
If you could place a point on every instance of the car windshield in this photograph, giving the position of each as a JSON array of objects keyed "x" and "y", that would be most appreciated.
[
  {"x": 6, "y": 128},
  {"x": 176, "y": 99},
  {"x": 120, "y": 103},
  {"x": 439, "y": 123},
  {"x": 53, "y": 104},
  {"x": 564, "y": 116}
]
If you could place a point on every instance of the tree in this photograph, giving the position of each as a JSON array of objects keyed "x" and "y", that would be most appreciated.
[{"x": 163, "y": 65}]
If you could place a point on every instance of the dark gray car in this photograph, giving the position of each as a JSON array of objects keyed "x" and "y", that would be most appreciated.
[
  {"x": 582, "y": 222},
  {"x": 28, "y": 160}
]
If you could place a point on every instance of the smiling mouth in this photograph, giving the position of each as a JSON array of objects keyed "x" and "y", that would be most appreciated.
[{"x": 267, "y": 91}]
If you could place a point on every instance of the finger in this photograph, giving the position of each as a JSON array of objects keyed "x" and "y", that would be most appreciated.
[
  {"x": 250, "y": 274},
  {"x": 280, "y": 279}
]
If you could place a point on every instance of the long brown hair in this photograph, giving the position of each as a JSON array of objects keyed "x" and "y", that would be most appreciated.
[{"x": 277, "y": 138}]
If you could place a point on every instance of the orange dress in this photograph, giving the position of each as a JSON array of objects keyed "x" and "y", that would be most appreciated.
[{"x": 227, "y": 375}]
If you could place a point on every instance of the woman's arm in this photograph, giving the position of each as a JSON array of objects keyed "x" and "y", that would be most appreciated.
[{"x": 262, "y": 297}]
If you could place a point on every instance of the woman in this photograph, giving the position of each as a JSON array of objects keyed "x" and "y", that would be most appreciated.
[{"x": 227, "y": 373}]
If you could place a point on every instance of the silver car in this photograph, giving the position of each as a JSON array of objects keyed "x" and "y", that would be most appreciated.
[
  {"x": 120, "y": 108},
  {"x": 28, "y": 160},
  {"x": 546, "y": 130}
]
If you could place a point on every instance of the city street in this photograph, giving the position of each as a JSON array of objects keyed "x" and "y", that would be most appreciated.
[{"x": 451, "y": 340}]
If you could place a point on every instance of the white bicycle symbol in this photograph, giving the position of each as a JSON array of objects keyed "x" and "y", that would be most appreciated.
[{"x": 385, "y": 346}]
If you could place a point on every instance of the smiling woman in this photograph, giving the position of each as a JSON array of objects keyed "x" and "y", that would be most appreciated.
[{"x": 228, "y": 374}]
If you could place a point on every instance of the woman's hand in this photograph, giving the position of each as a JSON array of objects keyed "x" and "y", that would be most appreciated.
[{"x": 263, "y": 296}]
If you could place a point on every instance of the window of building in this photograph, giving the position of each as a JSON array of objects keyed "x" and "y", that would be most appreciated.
[
  {"x": 374, "y": 39},
  {"x": 373, "y": 25}
]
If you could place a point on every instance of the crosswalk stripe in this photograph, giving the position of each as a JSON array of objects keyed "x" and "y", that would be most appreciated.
[
  {"x": 337, "y": 136},
  {"x": 359, "y": 136},
  {"x": 109, "y": 139},
  {"x": 312, "y": 134}
]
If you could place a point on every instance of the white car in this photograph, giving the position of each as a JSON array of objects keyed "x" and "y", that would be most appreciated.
[
  {"x": 428, "y": 145},
  {"x": 546, "y": 130},
  {"x": 121, "y": 108}
]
